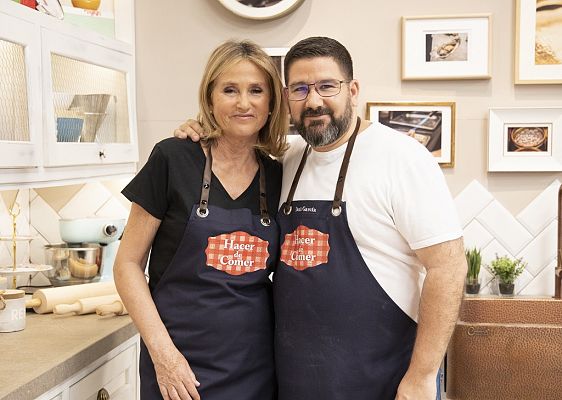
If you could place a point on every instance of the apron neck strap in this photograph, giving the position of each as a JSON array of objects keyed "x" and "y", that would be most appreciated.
[
  {"x": 336, "y": 203},
  {"x": 265, "y": 219},
  {"x": 203, "y": 211},
  {"x": 288, "y": 207}
]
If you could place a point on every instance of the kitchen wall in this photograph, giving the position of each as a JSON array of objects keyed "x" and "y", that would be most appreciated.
[
  {"x": 174, "y": 39},
  {"x": 505, "y": 213}
]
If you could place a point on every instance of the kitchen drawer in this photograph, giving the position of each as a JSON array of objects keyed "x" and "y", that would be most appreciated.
[{"x": 117, "y": 376}]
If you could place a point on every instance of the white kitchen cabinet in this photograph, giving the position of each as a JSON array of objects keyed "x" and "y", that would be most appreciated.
[
  {"x": 116, "y": 373},
  {"x": 68, "y": 114},
  {"x": 92, "y": 84},
  {"x": 20, "y": 92}
]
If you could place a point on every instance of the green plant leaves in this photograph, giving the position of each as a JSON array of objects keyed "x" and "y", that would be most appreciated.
[
  {"x": 507, "y": 269},
  {"x": 474, "y": 261}
]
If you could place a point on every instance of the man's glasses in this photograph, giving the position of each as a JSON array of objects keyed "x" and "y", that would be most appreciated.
[{"x": 325, "y": 88}]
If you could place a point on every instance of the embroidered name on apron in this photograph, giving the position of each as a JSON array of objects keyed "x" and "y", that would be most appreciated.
[
  {"x": 237, "y": 253},
  {"x": 305, "y": 248}
]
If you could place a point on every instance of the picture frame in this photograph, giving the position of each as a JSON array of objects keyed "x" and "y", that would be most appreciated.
[
  {"x": 278, "y": 56},
  {"x": 525, "y": 139},
  {"x": 538, "y": 42},
  {"x": 261, "y": 9},
  {"x": 446, "y": 47},
  {"x": 431, "y": 123}
]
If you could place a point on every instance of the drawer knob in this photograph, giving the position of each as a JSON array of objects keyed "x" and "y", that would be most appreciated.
[
  {"x": 102, "y": 154},
  {"x": 103, "y": 394}
]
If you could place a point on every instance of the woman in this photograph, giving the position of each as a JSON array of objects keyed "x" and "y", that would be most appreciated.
[{"x": 206, "y": 213}]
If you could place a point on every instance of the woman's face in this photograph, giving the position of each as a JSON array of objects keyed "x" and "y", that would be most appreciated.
[{"x": 240, "y": 100}]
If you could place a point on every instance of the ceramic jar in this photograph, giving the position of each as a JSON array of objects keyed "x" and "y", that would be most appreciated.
[{"x": 12, "y": 310}]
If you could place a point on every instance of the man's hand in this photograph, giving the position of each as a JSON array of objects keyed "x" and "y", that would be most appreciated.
[
  {"x": 418, "y": 388},
  {"x": 190, "y": 129}
]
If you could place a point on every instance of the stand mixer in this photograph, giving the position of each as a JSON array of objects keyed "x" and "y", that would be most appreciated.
[{"x": 88, "y": 253}]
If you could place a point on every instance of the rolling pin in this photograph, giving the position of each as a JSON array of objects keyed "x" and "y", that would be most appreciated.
[
  {"x": 117, "y": 308},
  {"x": 86, "y": 305},
  {"x": 44, "y": 300}
]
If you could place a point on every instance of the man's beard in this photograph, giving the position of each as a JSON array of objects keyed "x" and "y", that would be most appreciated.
[{"x": 316, "y": 134}]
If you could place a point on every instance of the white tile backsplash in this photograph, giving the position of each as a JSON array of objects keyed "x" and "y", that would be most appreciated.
[
  {"x": 5, "y": 258},
  {"x": 504, "y": 227},
  {"x": 22, "y": 228},
  {"x": 541, "y": 251},
  {"x": 45, "y": 220},
  {"x": 476, "y": 235},
  {"x": 86, "y": 202},
  {"x": 492, "y": 249},
  {"x": 531, "y": 234},
  {"x": 541, "y": 211},
  {"x": 112, "y": 209},
  {"x": 471, "y": 201},
  {"x": 522, "y": 281},
  {"x": 36, "y": 252},
  {"x": 542, "y": 284}
]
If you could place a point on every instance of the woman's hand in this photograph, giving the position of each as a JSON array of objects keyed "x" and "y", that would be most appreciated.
[
  {"x": 190, "y": 129},
  {"x": 174, "y": 375}
]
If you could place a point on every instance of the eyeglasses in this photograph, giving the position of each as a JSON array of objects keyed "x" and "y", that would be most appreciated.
[{"x": 325, "y": 88}]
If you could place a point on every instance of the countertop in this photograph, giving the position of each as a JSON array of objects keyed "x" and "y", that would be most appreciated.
[{"x": 52, "y": 348}]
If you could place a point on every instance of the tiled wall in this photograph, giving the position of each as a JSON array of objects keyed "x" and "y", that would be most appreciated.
[
  {"x": 487, "y": 225},
  {"x": 530, "y": 235},
  {"x": 41, "y": 210}
]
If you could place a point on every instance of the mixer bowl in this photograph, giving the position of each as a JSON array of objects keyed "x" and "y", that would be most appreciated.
[{"x": 73, "y": 265}]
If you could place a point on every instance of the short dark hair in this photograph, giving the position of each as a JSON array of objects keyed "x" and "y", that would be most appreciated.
[{"x": 320, "y": 46}]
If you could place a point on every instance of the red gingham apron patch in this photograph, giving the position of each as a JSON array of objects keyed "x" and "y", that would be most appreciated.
[
  {"x": 305, "y": 248},
  {"x": 237, "y": 253}
]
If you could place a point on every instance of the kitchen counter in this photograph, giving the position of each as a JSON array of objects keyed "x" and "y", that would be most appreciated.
[{"x": 52, "y": 348}]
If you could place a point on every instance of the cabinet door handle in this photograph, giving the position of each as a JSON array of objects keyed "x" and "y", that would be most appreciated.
[
  {"x": 103, "y": 394},
  {"x": 102, "y": 154}
]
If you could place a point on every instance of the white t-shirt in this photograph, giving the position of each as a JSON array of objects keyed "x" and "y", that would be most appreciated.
[{"x": 397, "y": 201}]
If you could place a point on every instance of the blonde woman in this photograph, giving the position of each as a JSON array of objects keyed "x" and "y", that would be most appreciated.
[{"x": 207, "y": 215}]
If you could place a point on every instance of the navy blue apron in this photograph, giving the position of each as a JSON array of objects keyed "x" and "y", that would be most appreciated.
[
  {"x": 338, "y": 335},
  {"x": 215, "y": 300}
]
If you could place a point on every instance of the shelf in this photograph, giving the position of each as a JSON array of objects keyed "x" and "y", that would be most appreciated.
[{"x": 21, "y": 238}]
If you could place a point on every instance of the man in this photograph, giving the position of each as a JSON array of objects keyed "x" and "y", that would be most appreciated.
[{"x": 363, "y": 213}]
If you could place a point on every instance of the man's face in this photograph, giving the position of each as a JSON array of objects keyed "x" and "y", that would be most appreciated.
[{"x": 320, "y": 120}]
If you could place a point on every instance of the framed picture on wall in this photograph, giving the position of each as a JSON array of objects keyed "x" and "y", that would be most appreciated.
[
  {"x": 261, "y": 9},
  {"x": 431, "y": 124},
  {"x": 538, "y": 42},
  {"x": 278, "y": 56},
  {"x": 446, "y": 47},
  {"x": 525, "y": 139}
]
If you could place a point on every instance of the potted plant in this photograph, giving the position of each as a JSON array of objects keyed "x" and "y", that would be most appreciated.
[
  {"x": 506, "y": 270},
  {"x": 474, "y": 261}
]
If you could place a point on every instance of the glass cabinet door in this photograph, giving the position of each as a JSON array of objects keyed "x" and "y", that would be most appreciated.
[
  {"x": 20, "y": 120},
  {"x": 90, "y": 102},
  {"x": 87, "y": 96}
]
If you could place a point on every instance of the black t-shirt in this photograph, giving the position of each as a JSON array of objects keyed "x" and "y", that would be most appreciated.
[{"x": 169, "y": 185}]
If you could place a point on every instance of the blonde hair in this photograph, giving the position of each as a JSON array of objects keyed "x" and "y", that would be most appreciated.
[{"x": 272, "y": 137}]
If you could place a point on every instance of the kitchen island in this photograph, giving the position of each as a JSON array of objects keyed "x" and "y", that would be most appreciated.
[{"x": 54, "y": 348}]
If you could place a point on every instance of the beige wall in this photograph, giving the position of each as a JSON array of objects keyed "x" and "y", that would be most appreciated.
[{"x": 174, "y": 39}]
